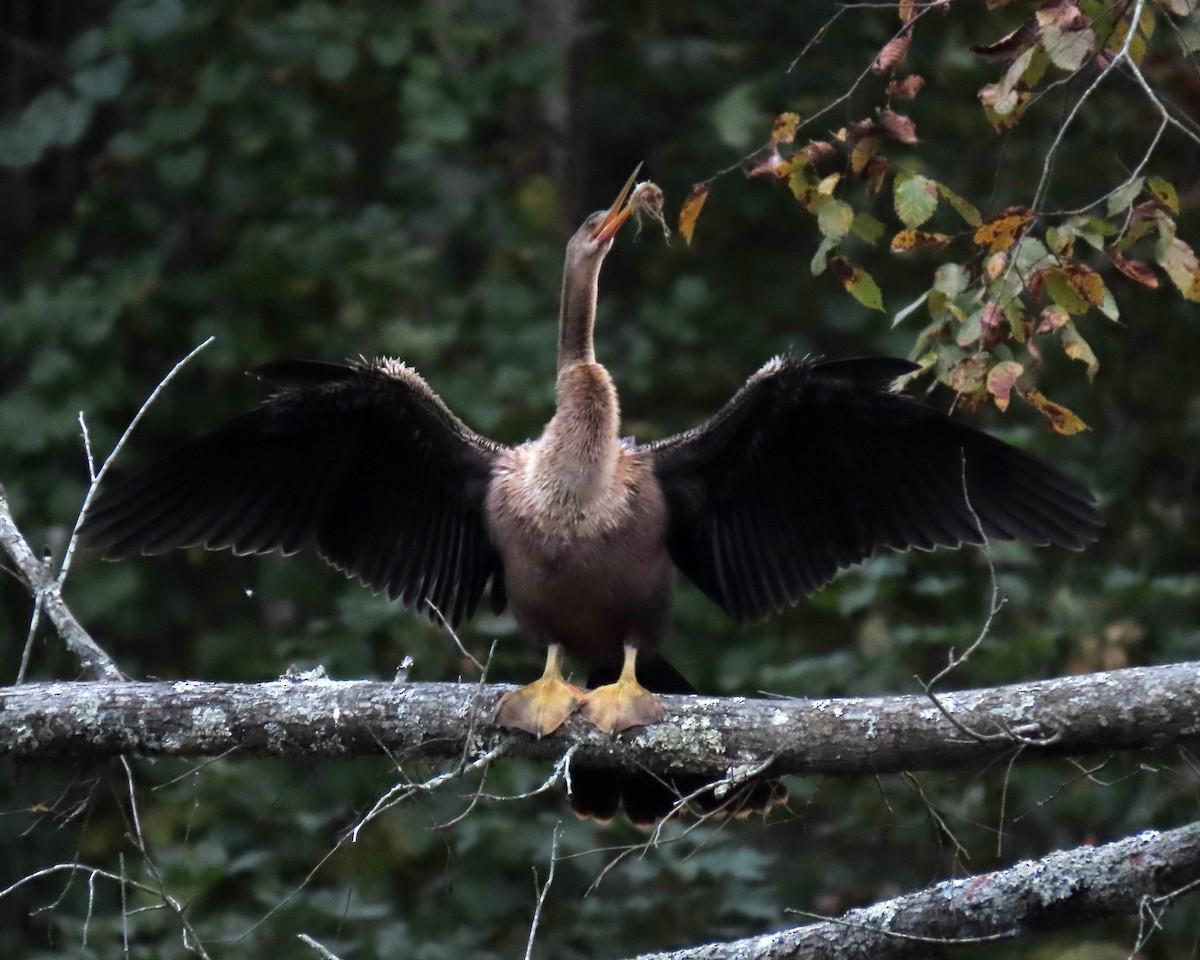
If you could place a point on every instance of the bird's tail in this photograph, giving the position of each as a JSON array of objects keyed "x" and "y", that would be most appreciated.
[{"x": 599, "y": 791}]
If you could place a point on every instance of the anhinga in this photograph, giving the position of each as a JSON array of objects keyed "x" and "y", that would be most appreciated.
[{"x": 810, "y": 468}]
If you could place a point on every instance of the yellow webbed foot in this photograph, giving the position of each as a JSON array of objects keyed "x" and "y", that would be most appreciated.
[
  {"x": 543, "y": 706},
  {"x": 619, "y": 706}
]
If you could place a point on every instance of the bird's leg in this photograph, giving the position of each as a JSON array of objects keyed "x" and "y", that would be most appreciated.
[
  {"x": 540, "y": 707},
  {"x": 618, "y": 706}
]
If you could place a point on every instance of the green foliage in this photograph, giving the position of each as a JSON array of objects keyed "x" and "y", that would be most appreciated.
[
  {"x": 326, "y": 179},
  {"x": 1012, "y": 270}
]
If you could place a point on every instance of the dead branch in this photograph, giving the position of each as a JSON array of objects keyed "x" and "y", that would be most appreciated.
[
  {"x": 1145, "y": 707},
  {"x": 1140, "y": 875},
  {"x": 46, "y": 589}
]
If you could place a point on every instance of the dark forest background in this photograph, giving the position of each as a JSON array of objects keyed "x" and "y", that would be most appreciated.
[{"x": 325, "y": 180}]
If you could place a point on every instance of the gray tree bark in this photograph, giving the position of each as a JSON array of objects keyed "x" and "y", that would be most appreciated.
[
  {"x": 1142, "y": 707},
  {"x": 1140, "y": 874}
]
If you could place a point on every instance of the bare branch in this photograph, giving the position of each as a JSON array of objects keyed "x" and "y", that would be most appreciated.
[
  {"x": 1137, "y": 875},
  {"x": 541, "y": 900},
  {"x": 430, "y": 722},
  {"x": 38, "y": 575},
  {"x": 47, "y": 594},
  {"x": 108, "y": 461},
  {"x": 323, "y": 952}
]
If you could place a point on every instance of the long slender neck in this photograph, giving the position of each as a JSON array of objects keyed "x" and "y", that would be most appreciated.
[
  {"x": 577, "y": 455},
  {"x": 576, "y": 458},
  {"x": 577, "y": 317}
]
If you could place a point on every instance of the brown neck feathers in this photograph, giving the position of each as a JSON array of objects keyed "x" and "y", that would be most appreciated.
[
  {"x": 577, "y": 319},
  {"x": 578, "y": 453}
]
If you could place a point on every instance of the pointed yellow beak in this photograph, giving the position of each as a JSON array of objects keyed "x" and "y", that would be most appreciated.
[{"x": 619, "y": 212}]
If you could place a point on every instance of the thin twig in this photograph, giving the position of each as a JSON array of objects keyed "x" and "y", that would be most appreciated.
[
  {"x": 454, "y": 636},
  {"x": 108, "y": 461},
  {"x": 541, "y": 900},
  {"x": 191, "y": 940},
  {"x": 401, "y": 792},
  {"x": 323, "y": 952}
]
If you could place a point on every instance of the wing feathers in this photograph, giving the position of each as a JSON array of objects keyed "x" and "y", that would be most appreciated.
[
  {"x": 812, "y": 467},
  {"x": 362, "y": 462}
]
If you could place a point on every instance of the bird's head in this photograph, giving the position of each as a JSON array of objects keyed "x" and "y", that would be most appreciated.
[{"x": 595, "y": 237}]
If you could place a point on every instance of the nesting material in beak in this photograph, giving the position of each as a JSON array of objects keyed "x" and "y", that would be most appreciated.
[{"x": 619, "y": 212}]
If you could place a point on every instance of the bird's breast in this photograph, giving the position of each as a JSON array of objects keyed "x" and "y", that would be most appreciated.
[
  {"x": 589, "y": 573},
  {"x": 566, "y": 498}
]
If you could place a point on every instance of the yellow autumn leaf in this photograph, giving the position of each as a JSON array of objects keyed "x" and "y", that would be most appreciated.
[
  {"x": 691, "y": 210},
  {"x": 826, "y": 187},
  {"x": 1000, "y": 233},
  {"x": 1079, "y": 349},
  {"x": 1090, "y": 287},
  {"x": 863, "y": 152},
  {"x": 912, "y": 239},
  {"x": 1061, "y": 419},
  {"x": 784, "y": 130}
]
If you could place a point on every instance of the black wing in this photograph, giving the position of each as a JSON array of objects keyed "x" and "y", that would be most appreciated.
[
  {"x": 812, "y": 466},
  {"x": 363, "y": 462}
]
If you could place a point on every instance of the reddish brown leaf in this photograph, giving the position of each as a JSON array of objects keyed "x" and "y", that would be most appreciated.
[
  {"x": 907, "y": 10},
  {"x": 898, "y": 125},
  {"x": 772, "y": 165},
  {"x": 1133, "y": 269},
  {"x": 877, "y": 171},
  {"x": 1001, "y": 232},
  {"x": 1067, "y": 34},
  {"x": 1008, "y": 47},
  {"x": 1061, "y": 419},
  {"x": 1000, "y": 381},
  {"x": 1143, "y": 212},
  {"x": 1063, "y": 14},
  {"x": 1052, "y": 319},
  {"x": 893, "y": 53},
  {"x": 992, "y": 328},
  {"x": 907, "y": 88},
  {"x": 691, "y": 210},
  {"x": 819, "y": 151},
  {"x": 862, "y": 130},
  {"x": 1035, "y": 285}
]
